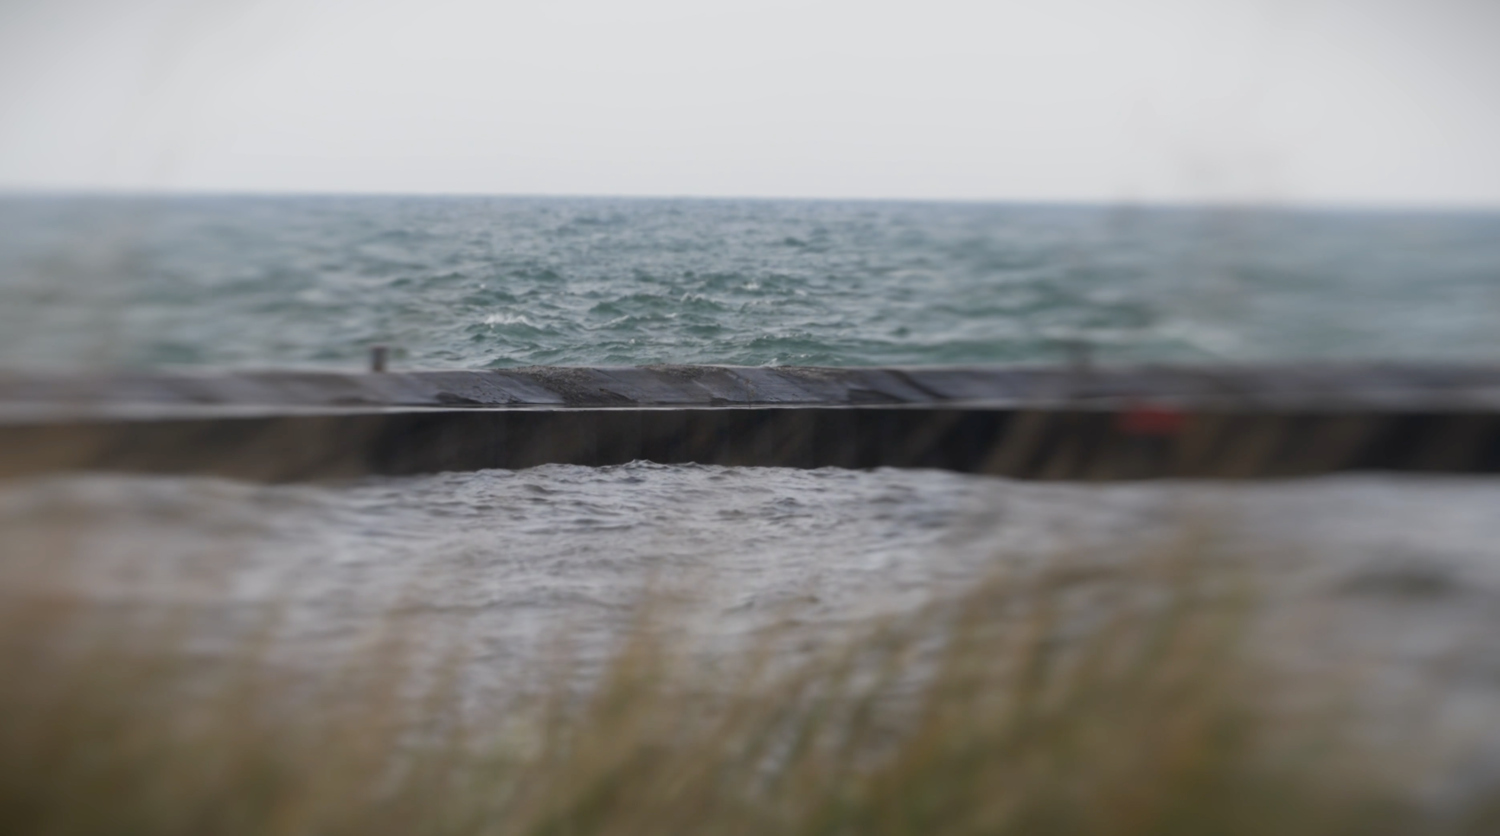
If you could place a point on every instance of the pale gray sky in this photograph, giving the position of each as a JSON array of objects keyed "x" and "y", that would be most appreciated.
[{"x": 1345, "y": 101}]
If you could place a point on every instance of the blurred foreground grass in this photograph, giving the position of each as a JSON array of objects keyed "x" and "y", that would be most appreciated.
[{"x": 1130, "y": 699}]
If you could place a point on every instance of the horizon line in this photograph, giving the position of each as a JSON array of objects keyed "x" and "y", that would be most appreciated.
[{"x": 1226, "y": 204}]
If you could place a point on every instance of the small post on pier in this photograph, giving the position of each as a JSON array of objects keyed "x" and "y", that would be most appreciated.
[{"x": 378, "y": 356}]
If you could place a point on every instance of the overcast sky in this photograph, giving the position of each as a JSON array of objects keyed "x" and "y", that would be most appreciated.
[{"x": 1287, "y": 101}]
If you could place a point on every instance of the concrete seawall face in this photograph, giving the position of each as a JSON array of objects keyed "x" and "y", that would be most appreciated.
[
  {"x": 1025, "y": 423},
  {"x": 1033, "y": 444}
]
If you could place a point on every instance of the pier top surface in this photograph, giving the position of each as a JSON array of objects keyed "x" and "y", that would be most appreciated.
[{"x": 28, "y": 397}]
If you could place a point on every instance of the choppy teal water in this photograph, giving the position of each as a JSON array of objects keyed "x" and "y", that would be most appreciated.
[{"x": 477, "y": 282}]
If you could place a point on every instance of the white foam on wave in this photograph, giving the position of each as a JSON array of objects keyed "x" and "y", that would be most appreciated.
[{"x": 507, "y": 319}]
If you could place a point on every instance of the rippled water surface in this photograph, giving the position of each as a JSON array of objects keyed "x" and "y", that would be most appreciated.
[
  {"x": 477, "y": 282},
  {"x": 1393, "y": 583},
  {"x": 1408, "y": 568}
]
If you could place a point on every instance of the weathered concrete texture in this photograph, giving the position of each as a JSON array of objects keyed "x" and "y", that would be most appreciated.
[
  {"x": 1383, "y": 387},
  {"x": 1044, "y": 424},
  {"x": 1038, "y": 444}
]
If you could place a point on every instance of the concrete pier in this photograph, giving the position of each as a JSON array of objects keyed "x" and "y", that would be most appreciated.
[{"x": 1023, "y": 422}]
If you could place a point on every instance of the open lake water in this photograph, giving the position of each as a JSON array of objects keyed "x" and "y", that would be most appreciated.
[
  {"x": 483, "y": 282},
  {"x": 1409, "y": 566}
]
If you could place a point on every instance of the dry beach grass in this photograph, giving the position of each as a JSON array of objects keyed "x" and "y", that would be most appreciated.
[{"x": 1130, "y": 699}]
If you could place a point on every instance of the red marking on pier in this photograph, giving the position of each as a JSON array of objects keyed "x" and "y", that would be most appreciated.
[{"x": 1151, "y": 419}]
